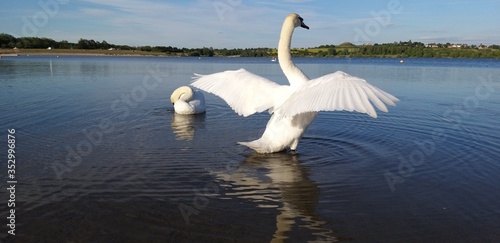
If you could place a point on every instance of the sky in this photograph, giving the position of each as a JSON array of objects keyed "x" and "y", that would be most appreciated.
[{"x": 249, "y": 24}]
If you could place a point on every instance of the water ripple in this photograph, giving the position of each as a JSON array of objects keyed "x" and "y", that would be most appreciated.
[{"x": 153, "y": 162}]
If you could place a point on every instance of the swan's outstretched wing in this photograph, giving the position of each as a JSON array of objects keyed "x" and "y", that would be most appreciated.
[
  {"x": 245, "y": 92},
  {"x": 337, "y": 91}
]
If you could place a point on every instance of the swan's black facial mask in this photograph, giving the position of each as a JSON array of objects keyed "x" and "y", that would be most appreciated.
[{"x": 302, "y": 23}]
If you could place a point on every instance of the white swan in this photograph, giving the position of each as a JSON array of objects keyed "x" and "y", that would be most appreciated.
[
  {"x": 186, "y": 101},
  {"x": 293, "y": 107}
]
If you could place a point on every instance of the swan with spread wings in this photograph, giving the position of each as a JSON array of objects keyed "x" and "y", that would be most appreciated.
[{"x": 293, "y": 107}]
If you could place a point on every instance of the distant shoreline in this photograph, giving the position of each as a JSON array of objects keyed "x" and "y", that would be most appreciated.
[
  {"x": 77, "y": 52},
  {"x": 136, "y": 53}
]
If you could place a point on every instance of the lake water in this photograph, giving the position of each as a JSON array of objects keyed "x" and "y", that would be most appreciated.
[{"x": 101, "y": 156}]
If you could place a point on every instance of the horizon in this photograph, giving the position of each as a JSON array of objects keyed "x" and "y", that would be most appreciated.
[
  {"x": 244, "y": 24},
  {"x": 262, "y": 47}
]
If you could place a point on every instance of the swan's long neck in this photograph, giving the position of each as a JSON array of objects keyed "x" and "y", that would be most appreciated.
[{"x": 294, "y": 75}]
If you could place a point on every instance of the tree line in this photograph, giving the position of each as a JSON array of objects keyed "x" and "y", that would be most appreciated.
[{"x": 397, "y": 49}]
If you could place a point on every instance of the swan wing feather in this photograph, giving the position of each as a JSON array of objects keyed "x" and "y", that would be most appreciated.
[
  {"x": 337, "y": 91},
  {"x": 246, "y": 93}
]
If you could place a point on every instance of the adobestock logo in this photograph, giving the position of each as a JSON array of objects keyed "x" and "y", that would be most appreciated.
[
  {"x": 381, "y": 19},
  {"x": 222, "y": 7},
  {"x": 40, "y": 19}
]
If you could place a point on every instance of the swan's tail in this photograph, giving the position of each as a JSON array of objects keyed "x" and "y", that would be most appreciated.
[
  {"x": 257, "y": 145},
  {"x": 263, "y": 146}
]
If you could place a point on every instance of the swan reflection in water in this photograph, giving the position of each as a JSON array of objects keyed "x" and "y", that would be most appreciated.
[
  {"x": 278, "y": 181},
  {"x": 184, "y": 126}
]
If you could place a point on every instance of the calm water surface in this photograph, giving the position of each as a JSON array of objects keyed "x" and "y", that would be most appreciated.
[{"x": 101, "y": 156}]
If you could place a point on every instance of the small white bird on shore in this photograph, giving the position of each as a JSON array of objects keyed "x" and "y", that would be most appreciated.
[{"x": 187, "y": 101}]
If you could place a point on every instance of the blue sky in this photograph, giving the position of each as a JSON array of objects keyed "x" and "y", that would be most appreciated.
[{"x": 245, "y": 23}]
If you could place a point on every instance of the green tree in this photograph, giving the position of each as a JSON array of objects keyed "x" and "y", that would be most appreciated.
[
  {"x": 332, "y": 51},
  {"x": 105, "y": 45},
  {"x": 82, "y": 44},
  {"x": 7, "y": 41},
  {"x": 145, "y": 48},
  {"x": 64, "y": 44}
]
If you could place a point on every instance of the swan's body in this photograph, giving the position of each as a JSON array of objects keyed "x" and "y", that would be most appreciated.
[
  {"x": 293, "y": 107},
  {"x": 186, "y": 101}
]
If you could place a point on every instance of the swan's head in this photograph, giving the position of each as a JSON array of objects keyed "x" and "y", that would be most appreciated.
[
  {"x": 182, "y": 93},
  {"x": 297, "y": 21}
]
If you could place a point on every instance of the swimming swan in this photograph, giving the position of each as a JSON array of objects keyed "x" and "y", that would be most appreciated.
[
  {"x": 293, "y": 107},
  {"x": 186, "y": 101}
]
